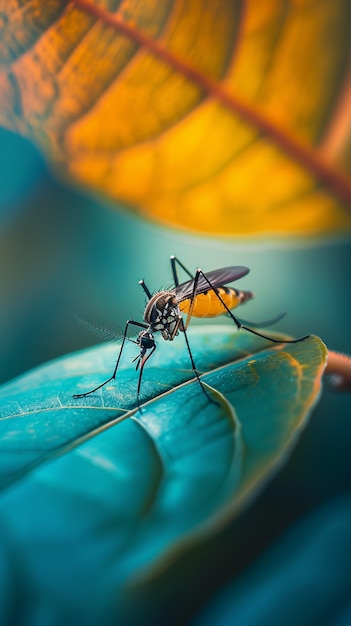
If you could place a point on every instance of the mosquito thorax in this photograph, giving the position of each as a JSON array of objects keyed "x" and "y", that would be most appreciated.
[
  {"x": 162, "y": 313},
  {"x": 160, "y": 307}
]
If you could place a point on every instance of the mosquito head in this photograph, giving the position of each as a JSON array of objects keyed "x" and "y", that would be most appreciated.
[{"x": 146, "y": 342}]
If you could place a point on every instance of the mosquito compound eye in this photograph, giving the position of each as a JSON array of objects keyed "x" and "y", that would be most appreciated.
[{"x": 147, "y": 341}]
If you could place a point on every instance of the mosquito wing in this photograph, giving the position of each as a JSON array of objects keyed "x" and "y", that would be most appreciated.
[{"x": 217, "y": 278}]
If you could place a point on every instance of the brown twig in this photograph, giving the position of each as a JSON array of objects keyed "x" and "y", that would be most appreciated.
[{"x": 339, "y": 369}]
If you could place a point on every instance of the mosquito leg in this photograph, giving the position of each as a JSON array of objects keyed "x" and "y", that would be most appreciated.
[
  {"x": 194, "y": 367},
  {"x": 176, "y": 328},
  {"x": 147, "y": 291},
  {"x": 235, "y": 319},
  {"x": 250, "y": 330},
  {"x": 174, "y": 261},
  {"x": 129, "y": 323},
  {"x": 193, "y": 296},
  {"x": 265, "y": 323}
]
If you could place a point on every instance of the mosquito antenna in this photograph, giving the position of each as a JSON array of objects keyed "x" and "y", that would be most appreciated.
[
  {"x": 129, "y": 323},
  {"x": 99, "y": 330},
  {"x": 142, "y": 362}
]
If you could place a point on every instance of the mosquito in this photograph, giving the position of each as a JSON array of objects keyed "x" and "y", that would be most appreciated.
[{"x": 204, "y": 295}]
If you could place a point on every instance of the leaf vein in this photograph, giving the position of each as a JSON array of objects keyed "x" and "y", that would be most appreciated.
[{"x": 311, "y": 159}]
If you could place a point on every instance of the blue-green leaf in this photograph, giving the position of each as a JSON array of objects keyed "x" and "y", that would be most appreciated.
[{"x": 96, "y": 494}]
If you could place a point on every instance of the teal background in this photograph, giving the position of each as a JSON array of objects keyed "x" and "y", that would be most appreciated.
[{"x": 64, "y": 253}]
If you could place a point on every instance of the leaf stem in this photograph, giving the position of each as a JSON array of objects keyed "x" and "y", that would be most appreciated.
[
  {"x": 304, "y": 155},
  {"x": 339, "y": 368}
]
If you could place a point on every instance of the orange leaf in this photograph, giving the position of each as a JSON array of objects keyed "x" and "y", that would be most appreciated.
[{"x": 226, "y": 118}]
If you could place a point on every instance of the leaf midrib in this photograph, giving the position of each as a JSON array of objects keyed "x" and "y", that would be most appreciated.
[
  {"x": 301, "y": 153},
  {"x": 52, "y": 454}
]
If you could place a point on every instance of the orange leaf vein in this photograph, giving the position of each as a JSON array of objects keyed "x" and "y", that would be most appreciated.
[{"x": 304, "y": 155}]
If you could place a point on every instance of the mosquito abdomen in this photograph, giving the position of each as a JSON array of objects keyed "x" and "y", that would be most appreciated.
[{"x": 209, "y": 305}]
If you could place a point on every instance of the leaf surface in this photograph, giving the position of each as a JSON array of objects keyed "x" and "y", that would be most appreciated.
[
  {"x": 96, "y": 494},
  {"x": 221, "y": 118}
]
